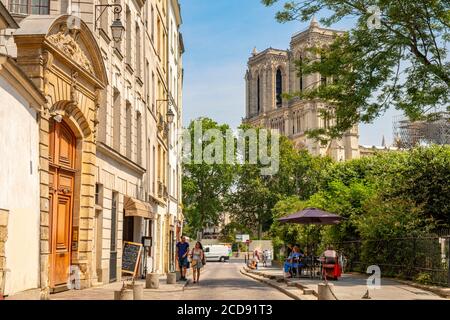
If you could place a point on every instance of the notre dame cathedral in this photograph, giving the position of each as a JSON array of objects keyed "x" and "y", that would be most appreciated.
[{"x": 273, "y": 72}]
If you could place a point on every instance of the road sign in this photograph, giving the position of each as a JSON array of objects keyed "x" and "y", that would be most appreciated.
[{"x": 242, "y": 237}]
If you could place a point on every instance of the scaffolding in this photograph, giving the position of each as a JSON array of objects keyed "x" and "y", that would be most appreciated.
[{"x": 434, "y": 130}]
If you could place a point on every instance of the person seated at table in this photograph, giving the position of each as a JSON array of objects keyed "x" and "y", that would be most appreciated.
[
  {"x": 330, "y": 255},
  {"x": 330, "y": 264},
  {"x": 292, "y": 262},
  {"x": 252, "y": 265}
]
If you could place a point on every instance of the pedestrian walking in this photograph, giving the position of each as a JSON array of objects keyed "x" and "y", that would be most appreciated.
[
  {"x": 264, "y": 258},
  {"x": 182, "y": 254},
  {"x": 256, "y": 258},
  {"x": 197, "y": 261}
]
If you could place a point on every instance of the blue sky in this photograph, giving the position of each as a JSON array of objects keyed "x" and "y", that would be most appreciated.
[{"x": 219, "y": 36}]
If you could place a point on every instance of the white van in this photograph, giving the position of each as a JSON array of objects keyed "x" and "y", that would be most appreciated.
[{"x": 217, "y": 253}]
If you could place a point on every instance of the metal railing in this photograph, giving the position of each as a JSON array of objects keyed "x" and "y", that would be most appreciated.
[{"x": 421, "y": 259}]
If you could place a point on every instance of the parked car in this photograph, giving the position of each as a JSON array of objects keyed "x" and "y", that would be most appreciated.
[{"x": 217, "y": 253}]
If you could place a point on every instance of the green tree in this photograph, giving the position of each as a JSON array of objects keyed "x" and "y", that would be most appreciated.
[
  {"x": 254, "y": 195},
  {"x": 420, "y": 175},
  {"x": 251, "y": 198},
  {"x": 205, "y": 184},
  {"x": 229, "y": 232},
  {"x": 283, "y": 234},
  {"x": 402, "y": 63},
  {"x": 392, "y": 219}
]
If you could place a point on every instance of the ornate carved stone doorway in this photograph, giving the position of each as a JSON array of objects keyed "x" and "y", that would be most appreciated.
[{"x": 67, "y": 66}]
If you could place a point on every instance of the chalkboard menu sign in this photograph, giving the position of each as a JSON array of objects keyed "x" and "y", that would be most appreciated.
[{"x": 130, "y": 257}]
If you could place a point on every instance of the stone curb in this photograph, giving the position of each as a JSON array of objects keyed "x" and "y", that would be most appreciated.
[
  {"x": 306, "y": 290},
  {"x": 270, "y": 283}
]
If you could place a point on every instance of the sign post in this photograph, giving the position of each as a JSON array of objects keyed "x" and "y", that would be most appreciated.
[
  {"x": 248, "y": 241},
  {"x": 242, "y": 237},
  {"x": 147, "y": 244}
]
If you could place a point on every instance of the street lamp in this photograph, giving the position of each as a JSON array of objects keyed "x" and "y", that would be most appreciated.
[
  {"x": 117, "y": 27},
  {"x": 170, "y": 116}
]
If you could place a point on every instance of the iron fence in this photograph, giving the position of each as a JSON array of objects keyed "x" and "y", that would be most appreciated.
[{"x": 424, "y": 260}]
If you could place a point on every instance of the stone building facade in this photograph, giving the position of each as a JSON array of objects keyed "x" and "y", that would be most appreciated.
[
  {"x": 175, "y": 85},
  {"x": 21, "y": 103},
  {"x": 272, "y": 73},
  {"x": 67, "y": 66},
  {"x": 103, "y": 133}
]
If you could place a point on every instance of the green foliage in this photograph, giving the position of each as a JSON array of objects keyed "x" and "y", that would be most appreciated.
[
  {"x": 346, "y": 201},
  {"x": 389, "y": 195},
  {"x": 205, "y": 185},
  {"x": 403, "y": 63},
  {"x": 424, "y": 278},
  {"x": 422, "y": 176},
  {"x": 393, "y": 218},
  {"x": 286, "y": 233},
  {"x": 254, "y": 196},
  {"x": 228, "y": 233}
]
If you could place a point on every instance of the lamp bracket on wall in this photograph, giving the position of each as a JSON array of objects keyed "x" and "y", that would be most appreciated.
[{"x": 117, "y": 10}]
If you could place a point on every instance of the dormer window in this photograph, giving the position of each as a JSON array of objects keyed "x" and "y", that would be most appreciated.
[{"x": 30, "y": 6}]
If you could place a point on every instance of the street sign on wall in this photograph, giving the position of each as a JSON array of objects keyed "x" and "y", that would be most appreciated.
[{"x": 242, "y": 237}]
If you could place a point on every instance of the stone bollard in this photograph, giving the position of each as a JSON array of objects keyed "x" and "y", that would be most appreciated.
[
  {"x": 325, "y": 291},
  {"x": 171, "y": 278},
  {"x": 138, "y": 292},
  {"x": 152, "y": 281},
  {"x": 124, "y": 294}
]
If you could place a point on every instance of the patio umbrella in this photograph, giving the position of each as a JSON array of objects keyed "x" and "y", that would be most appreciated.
[{"x": 312, "y": 216}]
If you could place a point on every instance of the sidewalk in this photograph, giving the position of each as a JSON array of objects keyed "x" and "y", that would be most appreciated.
[
  {"x": 349, "y": 287},
  {"x": 106, "y": 292}
]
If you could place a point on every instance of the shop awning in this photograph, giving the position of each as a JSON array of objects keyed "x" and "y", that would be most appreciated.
[{"x": 137, "y": 208}]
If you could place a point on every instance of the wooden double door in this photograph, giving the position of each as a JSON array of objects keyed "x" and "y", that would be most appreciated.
[{"x": 62, "y": 181}]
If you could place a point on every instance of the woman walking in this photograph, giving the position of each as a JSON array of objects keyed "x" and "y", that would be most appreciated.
[{"x": 198, "y": 260}]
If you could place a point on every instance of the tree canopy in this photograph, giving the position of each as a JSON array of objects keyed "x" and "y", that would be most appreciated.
[
  {"x": 402, "y": 62},
  {"x": 205, "y": 184}
]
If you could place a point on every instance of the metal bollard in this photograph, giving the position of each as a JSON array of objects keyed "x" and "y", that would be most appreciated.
[{"x": 152, "y": 281}]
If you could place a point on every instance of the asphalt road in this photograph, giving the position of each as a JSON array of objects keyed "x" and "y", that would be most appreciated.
[
  {"x": 223, "y": 281},
  {"x": 218, "y": 281}
]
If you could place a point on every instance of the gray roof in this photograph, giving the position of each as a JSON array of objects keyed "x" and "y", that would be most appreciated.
[
  {"x": 36, "y": 24},
  {"x": 4, "y": 14}
]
